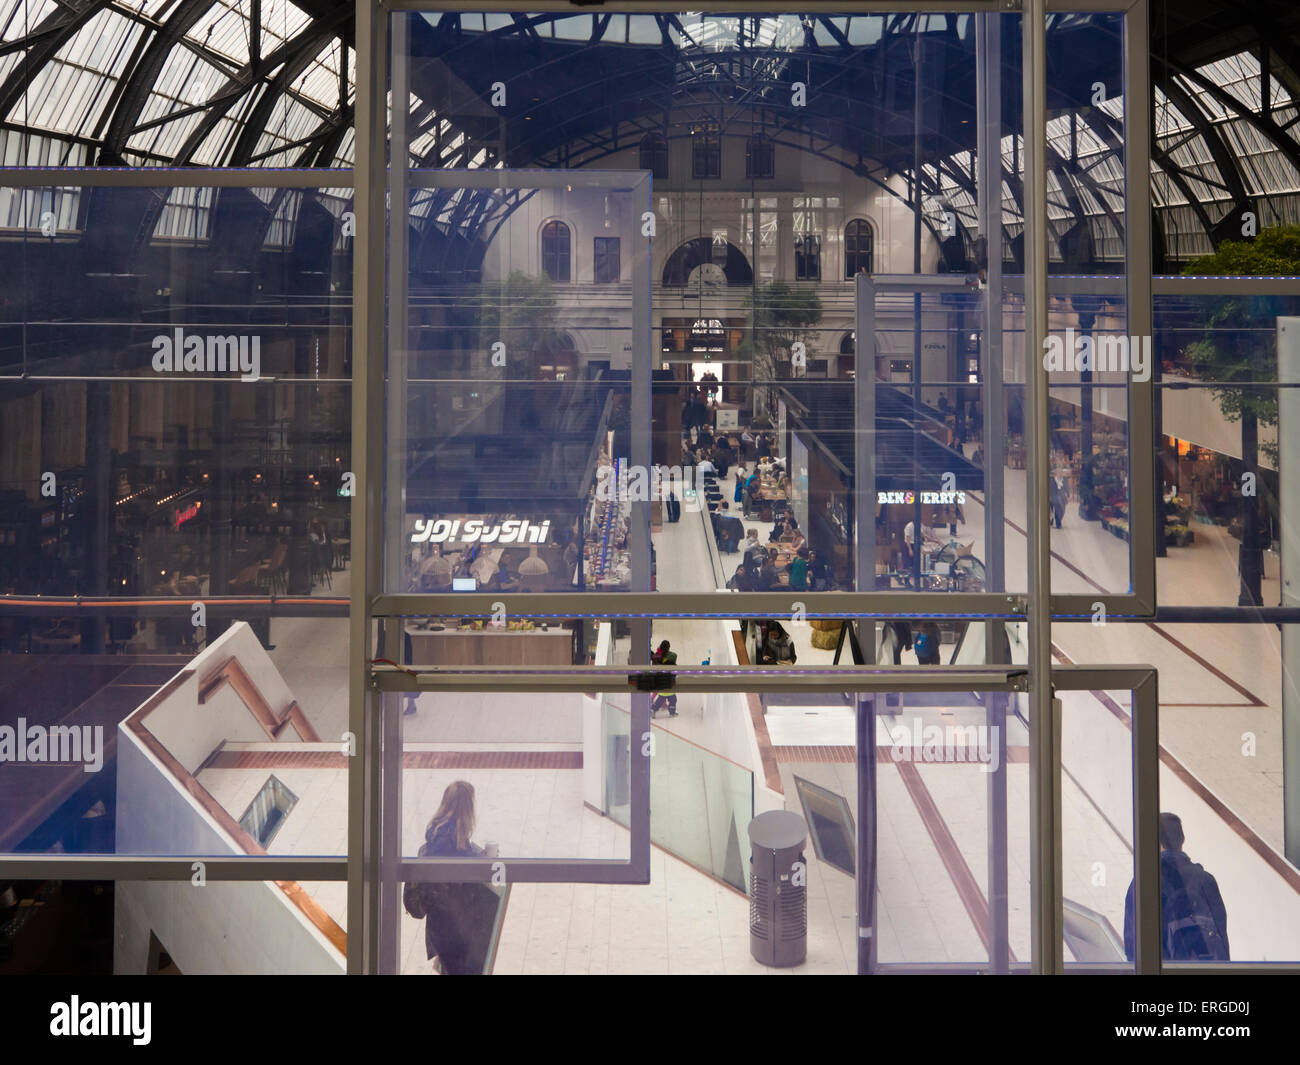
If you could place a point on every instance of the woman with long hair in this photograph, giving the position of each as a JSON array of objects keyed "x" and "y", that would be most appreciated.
[
  {"x": 450, "y": 828},
  {"x": 458, "y": 917}
]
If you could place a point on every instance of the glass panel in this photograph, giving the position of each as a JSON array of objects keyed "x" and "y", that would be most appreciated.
[
  {"x": 763, "y": 218},
  {"x": 942, "y": 760},
  {"x": 159, "y": 754},
  {"x": 1222, "y": 447},
  {"x": 531, "y": 767},
  {"x": 516, "y": 401},
  {"x": 705, "y": 802},
  {"x": 179, "y": 284},
  {"x": 1223, "y": 775}
]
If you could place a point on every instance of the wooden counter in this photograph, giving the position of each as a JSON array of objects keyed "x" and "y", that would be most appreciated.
[{"x": 492, "y": 647}]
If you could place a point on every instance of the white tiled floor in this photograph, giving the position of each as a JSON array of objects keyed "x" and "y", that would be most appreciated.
[{"x": 684, "y": 921}]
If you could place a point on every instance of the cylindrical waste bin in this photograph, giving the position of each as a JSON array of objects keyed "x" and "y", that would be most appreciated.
[{"x": 778, "y": 889}]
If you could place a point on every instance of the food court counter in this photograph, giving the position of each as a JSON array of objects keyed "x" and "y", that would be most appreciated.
[{"x": 491, "y": 647}]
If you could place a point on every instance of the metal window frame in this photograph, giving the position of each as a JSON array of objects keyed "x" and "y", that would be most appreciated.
[{"x": 360, "y": 866}]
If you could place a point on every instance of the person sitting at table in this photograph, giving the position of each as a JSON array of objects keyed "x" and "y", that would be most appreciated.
[
  {"x": 705, "y": 468},
  {"x": 777, "y": 646},
  {"x": 798, "y": 570},
  {"x": 742, "y": 580},
  {"x": 766, "y": 578},
  {"x": 730, "y": 532},
  {"x": 794, "y": 534},
  {"x": 753, "y": 549}
]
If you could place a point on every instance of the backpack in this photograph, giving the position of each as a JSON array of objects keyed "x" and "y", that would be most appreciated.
[{"x": 1190, "y": 930}]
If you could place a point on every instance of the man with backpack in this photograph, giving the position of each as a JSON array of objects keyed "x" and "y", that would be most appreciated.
[
  {"x": 664, "y": 655},
  {"x": 1193, "y": 919},
  {"x": 925, "y": 641}
]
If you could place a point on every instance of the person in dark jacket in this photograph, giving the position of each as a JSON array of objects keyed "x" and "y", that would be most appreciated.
[
  {"x": 777, "y": 646},
  {"x": 742, "y": 580},
  {"x": 1193, "y": 919},
  {"x": 458, "y": 917},
  {"x": 926, "y": 642},
  {"x": 729, "y": 531}
]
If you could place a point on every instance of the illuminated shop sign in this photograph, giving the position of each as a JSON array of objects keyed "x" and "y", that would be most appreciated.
[
  {"x": 184, "y": 514},
  {"x": 941, "y": 498},
  {"x": 474, "y": 531}
]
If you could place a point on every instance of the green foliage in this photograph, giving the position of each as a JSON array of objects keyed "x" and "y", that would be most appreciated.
[
  {"x": 1238, "y": 345},
  {"x": 519, "y": 311},
  {"x": 779, "y": 315}
]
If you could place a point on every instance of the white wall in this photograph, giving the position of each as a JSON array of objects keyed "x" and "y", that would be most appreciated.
[
  {"x": 191, "y": 732},
  {"x": 218, "y": 927}
]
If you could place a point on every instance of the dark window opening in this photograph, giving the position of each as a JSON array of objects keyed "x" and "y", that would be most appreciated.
[
  {"x": 760, "y": 157},
  {"x": 654, "y": 155},
  {"x": 858, "y": 246},
  {"x": 706, "y": 156},
  {"x": 605, "y": 256},
  {"x": 807, "y": 258},
  {"x": 555, "y": 251}
]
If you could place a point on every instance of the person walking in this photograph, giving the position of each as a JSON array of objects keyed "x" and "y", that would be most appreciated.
[
  {"x": 664, "y": 655},
  {"x": 458, "y": 918},
  {"x": 1193, "y": 919}
]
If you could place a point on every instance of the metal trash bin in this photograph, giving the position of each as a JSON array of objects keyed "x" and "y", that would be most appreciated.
[{"x": 778, "y": 889}]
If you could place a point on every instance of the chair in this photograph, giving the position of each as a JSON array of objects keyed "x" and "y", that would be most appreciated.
[{"x": 275, "y": 574}]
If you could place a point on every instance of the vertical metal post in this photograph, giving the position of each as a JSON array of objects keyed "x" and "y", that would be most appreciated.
[
  {"x": 917, "y": 72},
  {"x": 1044, "y": 769},
  {"x": 864, "y": 437},
  {"x": 1147, "y": 922},
  {"x": 866, "y": 819},
  {"x": 1288, "y": 438},
  {"x": 643, "y": 365},
  {"x": 988, "y": 109},
  {"x": 1143, "y": 483},
  {"x": 399, "y": 240},
  {"x": 390, "y": 849},
  {"x": 367, "y": 465}
]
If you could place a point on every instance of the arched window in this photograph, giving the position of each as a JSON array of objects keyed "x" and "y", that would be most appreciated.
[
  {"x": 760, "y": 157},
  {"x": 706, "y": 154},
  {"x": 858, "y": 244},
  {"x": 654, "y": 155},
  {"x": 555, "y": 251}
]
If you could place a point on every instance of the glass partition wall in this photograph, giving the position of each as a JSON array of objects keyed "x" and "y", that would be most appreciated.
[{"x": 503, "y": 523}]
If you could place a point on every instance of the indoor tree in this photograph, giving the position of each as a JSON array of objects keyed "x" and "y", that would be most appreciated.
[
  {"x": 780, "y": 316},
  {"x": 519, "y": 311},
  {"x": 1238, "y": 351}
]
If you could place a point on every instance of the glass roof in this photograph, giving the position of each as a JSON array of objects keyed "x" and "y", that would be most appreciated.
[{"x": 125, "y": 79}]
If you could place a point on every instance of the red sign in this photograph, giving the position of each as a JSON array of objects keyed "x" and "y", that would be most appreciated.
[{"x": 184, "y": 514}]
